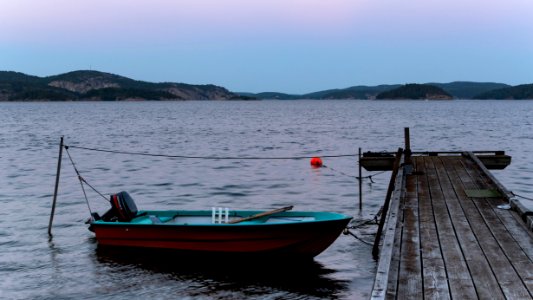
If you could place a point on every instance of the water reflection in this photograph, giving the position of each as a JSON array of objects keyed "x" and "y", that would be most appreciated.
[{"x": 220, "y": 276}]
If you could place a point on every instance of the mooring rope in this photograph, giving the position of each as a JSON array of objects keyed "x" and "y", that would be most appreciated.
[
  {"x": 82, "y": 180},
  {"x": 347, "y": 231},
  {"x": 211, "y": 157},
  {"x": 362, "y": 223},
  {"x": 235, "y": 158},
  {"x": 516, "y": 195},
  {"x": 356, "y": 177}
]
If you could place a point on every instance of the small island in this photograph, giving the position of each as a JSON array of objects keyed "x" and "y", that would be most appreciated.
[{"x": 416, "y": 92}]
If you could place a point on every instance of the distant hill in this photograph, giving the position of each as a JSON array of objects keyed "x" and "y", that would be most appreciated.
[
  {"x": 355, "y": 92},
  {"x": 275, "y": 95},
  {"x": 95, "y": 85},
  {"x": 457, "y": 89},
  {"x": 519, "y": 92},
  {"x": 416, "y": 91},
  {"x": 466, "y": 89}
]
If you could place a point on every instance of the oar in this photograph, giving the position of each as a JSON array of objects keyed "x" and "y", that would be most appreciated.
[{"x": 266, "y": 213}]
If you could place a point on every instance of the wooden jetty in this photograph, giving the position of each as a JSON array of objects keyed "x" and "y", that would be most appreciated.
[
  {"x": 446, "y": 233},
  {"x": 384, "y": 161}
]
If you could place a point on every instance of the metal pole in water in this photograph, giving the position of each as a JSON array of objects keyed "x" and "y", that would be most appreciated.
[
  {"x": 56, "y": 187},
  {"x": 360, "y": 182}
]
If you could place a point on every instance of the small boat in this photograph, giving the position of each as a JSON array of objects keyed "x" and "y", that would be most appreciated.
[{"x": 278, "y": 232}]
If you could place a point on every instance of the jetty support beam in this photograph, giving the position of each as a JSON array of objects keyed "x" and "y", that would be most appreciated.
[{"x": 399, "y": 160}]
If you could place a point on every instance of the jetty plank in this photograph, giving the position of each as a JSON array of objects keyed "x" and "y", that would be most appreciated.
[
  {"x": 511, "y": 251},
  {"x": 387, "y": 265},
  {"x": 459, "y": 275},
  {"x": 507, "y": 278},
  {"x": 484, "y": 280},
  {"x": 410, "y": 283},
  {"x": 509, "y": 218},
  {"x": 394, "y": 269},
  {"x": 434, "y": 268},
  {"x": 521, "y": 233}
]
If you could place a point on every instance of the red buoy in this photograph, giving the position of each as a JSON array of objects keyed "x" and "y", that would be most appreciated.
[{"x": 316, "y": 162}]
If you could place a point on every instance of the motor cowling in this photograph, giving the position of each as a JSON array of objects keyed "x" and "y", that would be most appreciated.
[{"x": 123, "y": 208}]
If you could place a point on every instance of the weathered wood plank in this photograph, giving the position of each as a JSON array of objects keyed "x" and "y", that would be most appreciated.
[
  {"x": 521, "y": 233},
  {"x": 392, "y": 284},
  {"x": 390, "y": 190},
  {"x": 460, "y": 280},
  {"x": 522, "y": 264},
  {"x": 434, "y": 270},
  {"x": 506, "y": 277},
  {"x": 511, "y": 219},
  {"x": 476, "y": 162},
  {"x": 380, "y": 288},
  {"x": 410, "y": 284},
  {"x": 394, "y": 269},
  {"x": 484, "y": 280}
]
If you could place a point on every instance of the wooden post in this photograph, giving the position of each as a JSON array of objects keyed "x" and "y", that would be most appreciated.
[
  {"x": 56, "y": 187},
  {"x": 407, "y": 139},
  {"x": 408, "y": 154},
  {"x": 407, "y": 146},
  {"x": 360, "y": 182},
  {"x": 375, "y": 249}
]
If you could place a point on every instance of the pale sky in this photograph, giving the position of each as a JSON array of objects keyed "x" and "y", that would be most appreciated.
[{"x": 292, "y": 46}]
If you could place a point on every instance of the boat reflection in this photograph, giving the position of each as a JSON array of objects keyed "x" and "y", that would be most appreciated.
[{"x": 226, "y": 274}]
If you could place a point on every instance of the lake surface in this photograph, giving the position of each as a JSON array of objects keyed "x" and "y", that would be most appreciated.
[{"x": 72, "y": 266}]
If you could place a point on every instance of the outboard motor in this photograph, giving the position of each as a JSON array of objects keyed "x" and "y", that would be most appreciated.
[{"x": 123, "y": 208}]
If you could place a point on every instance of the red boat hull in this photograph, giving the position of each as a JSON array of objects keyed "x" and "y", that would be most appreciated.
[{"x": 296, "y": 239}]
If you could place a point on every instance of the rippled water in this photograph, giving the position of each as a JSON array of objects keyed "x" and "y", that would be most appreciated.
[{"x": 71, "y": 265}]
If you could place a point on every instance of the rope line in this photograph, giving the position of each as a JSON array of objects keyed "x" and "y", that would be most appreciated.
[
  {"x": 82, "y": 180},
  {"x": 347, "y": 231},
  {"x": 356, "y": 177},
  {"x": 340, "y": 172},
  {"x": 94, "y": 189},
  {"x": 516, "y": 195},
  {"x": 364, "y": 223},
  {"x": 210, "y": 157}
]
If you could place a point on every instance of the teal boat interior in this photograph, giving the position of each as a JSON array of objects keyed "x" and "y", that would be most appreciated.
[
  {"x": 205, "y": 217},
  {"x": 124, "y": 211}
]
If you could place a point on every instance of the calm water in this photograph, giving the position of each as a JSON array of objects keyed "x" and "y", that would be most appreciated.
[{"x": 71, "y": 266}]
